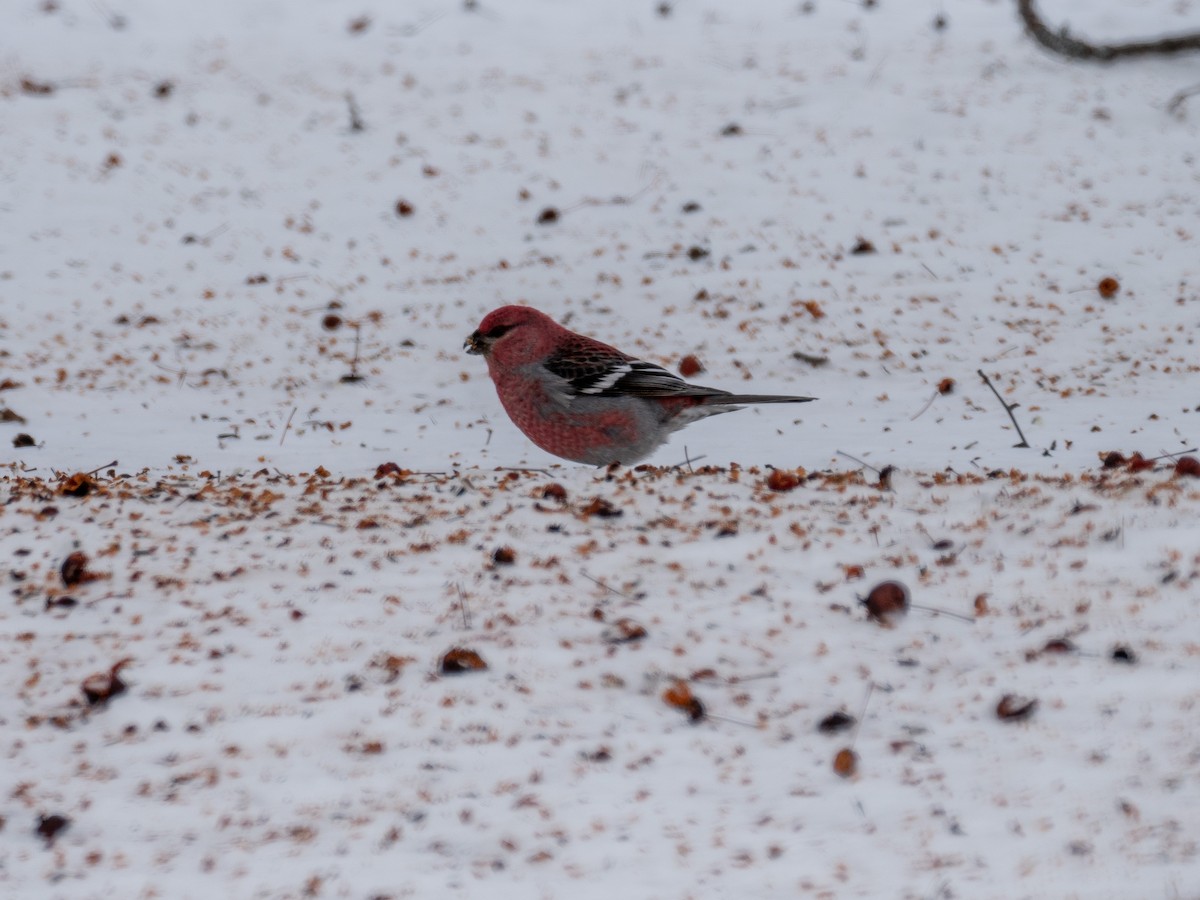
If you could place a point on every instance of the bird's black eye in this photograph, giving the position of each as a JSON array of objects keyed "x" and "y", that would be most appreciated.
[{"x": 497, "y": 331}]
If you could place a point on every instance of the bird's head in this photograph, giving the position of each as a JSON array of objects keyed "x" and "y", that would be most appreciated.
[{"x": 511, "y": 332}]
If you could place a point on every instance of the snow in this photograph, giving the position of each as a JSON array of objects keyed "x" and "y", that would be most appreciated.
[{"x": 185, "y": 205}]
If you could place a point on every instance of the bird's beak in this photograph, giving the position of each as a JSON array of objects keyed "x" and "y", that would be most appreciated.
[{"x": 475, "y": 344}]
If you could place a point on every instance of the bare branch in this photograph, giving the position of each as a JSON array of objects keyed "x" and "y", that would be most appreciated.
[
  {"x": 1064, "y": 44},
  {"x": 1008, "y": 408}
]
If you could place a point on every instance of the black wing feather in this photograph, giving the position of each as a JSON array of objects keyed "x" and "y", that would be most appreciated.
[{"x": 600, "y": 375}]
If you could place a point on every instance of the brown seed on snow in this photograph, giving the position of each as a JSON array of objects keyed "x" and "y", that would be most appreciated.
[
  {"x": 101, "y": 687},
  {"x": 845, "y": 762},
  {"x": 74, "y": 568},
  {"x": 783, "y": 480},
  {"x": 887, "y": 601},
  {"x": 460, "y": 659},
  {"x": 681, "y": 697},
  {"x": 1012, "y": 708},
  {"x": 554, "y": 491},
  {"x": 1188, "y": 465},
  {"x": 690, "y": 366}
]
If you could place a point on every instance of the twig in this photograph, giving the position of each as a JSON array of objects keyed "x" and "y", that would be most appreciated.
[
  {"x": 741, "y": 679},
  {"x": 114, "y": 20},
  {"x": 356, "y": 122},
  {"x": 741, "y": 722},
  {"x": 205, "y": 239},
  {"x": 605, "y": 586},
  {"x": 865, "y": 465},
  {"x": 353, "y": 377},
  {"x": 688, "y": 460},
  {"x": 412, "y": 29},
  {"x": 105, "y": 466},
  {"x": 1008, "y": 408},
  {"x": 862, "y": 713},
  {"x": 928, "y": 403},
  {"x": 287, "y": 426},
  {"x": 1177, "y": 453},
  {"x": 462, "y": 605},
  {"x": 1062, "y": 43},
  {"x": 942, "y": 612},
  {"x": 1175, "y": 105}
]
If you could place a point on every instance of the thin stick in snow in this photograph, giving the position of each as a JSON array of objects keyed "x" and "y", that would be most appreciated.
[
  {"x": 287, "y": 426},
  {"x": 1008, "y": 408}
]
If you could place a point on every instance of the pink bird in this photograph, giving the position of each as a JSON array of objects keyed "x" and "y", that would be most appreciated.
[{"x": 585, "y": 401}]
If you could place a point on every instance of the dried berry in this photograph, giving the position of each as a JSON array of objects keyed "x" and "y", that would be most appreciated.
[
  {"x": 783, "y": 480},
  {"x": 1188, "y": 465},
  {"x": 887, "y": 601},
  {"x": 1108, "y": 287},
  {"x": 554, "y": 491},
  {"x": 690, "y": 366},
  {"x": 74, "y": 569},
  {"x": 845, "y": 762},
  {"x": 460, "y": 659}
]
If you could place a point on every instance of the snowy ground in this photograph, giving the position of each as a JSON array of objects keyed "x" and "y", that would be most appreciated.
[{"x": 193, "y": 236}]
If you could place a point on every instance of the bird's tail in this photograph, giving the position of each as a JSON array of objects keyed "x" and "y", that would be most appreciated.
[{"x": 741, "y": 399}]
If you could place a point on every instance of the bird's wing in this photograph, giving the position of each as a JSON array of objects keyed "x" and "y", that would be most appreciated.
[{"x": 608, "y": 375}]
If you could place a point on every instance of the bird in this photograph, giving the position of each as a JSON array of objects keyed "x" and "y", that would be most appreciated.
[{"x": 585, "y": 401}]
